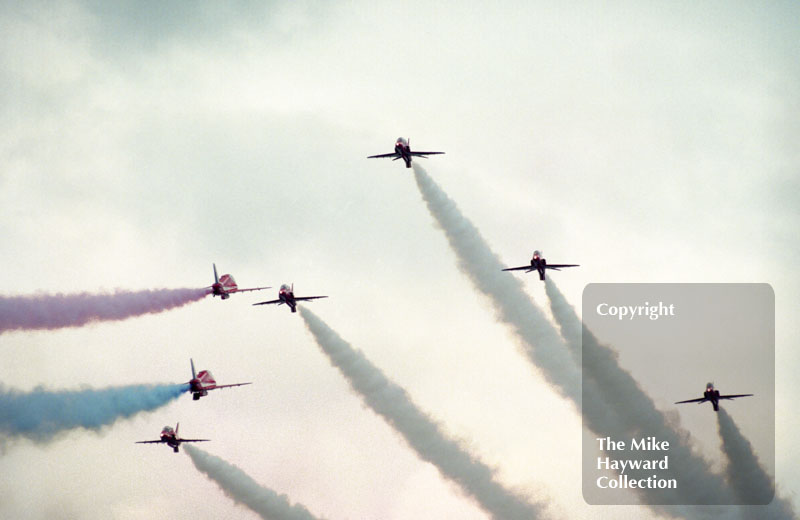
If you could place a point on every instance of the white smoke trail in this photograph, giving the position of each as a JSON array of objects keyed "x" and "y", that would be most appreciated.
[
  {"x": 421, "y": 432},
  {"x": 41, "y": 414},
  {"x": 546, "y": 349},
  {"x": 747, "y": 477},
  {"x": 242, "y": 489},
  {"x": 55, "y": 311},
  {"x": 541, "y": 343},
  {"x": 634, "y": 413}
]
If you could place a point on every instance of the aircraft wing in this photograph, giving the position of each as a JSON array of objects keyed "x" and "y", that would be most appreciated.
[
  {"x": 521, "y": 268},
  {"x": 734, "y": 396},
  {"x": 384, "y": 155},
  {"x": 700, "y": 400},
  {"x": 269, "y": 302},
  {"x": 304, "y": 298},
  {"x": 148, "y": 442},
  {"x": 195, "y": 440},
  {"x": 559, "y": 266},
  {"x": 423, "y": 154},
  {"x": 253, "y": 289},
  {"x": 228, "y": 386}
]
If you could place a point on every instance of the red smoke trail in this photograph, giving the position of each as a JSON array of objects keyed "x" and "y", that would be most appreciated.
[{"x": 55, "y": 311}]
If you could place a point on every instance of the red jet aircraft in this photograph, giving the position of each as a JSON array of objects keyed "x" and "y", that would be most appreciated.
[
  {"x": 203, "y": 381},
  {"x": 402, "y": 150},
  {"x": 538, "y": 263},
  {"x": 286, "y": 295},
  {"x": 171, "y": 439},
  {"x": 713, "y": 395},
  {"x": 225, "y": 285}
]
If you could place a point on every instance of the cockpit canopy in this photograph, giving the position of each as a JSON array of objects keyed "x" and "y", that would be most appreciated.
[
  {"x": 285, "y": 288},
  {"x": 167, "y": 429},
  {"x": 402, "y": 140},
  {"x": 537, "y": 253}
]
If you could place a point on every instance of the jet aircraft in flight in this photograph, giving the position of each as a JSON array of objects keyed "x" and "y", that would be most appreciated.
[
  {"x": 713, "y": 395},
  {"x": 286, "y": 295},
  {"x": 225, "y": 285},
  {"x": 203, "y": 381},
  {"x": 171, "y": 439},
  {"x": 538, "y": 263},
  {"x": 402, "y": 150}
]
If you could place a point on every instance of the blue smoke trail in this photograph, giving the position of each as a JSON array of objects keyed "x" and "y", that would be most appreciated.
[{"x": 41, "y": 414}]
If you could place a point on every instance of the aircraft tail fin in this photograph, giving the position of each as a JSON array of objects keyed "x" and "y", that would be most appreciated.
[
  {"x": 216, "y": 278},
  {"x": 206, "y": 379},
  {"x": 228, "y": 282},
  {"x": 177, "y": 426},
  {"x": 194, "y": 376}
]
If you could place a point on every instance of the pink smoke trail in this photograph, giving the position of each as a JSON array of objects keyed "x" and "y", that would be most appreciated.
[{"x": 55, "y": 311}]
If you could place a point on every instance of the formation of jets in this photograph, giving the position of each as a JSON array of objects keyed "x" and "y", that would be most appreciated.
[
  {"x": 171, "y": 439},
  {"x": 402, "y": 150},
  {"x": 203, "y": 382},
  {"x": 200, "y": 384},
  {"x": 225, "y": 285},
  {"x": 539, "y": 263},
  {"x": 713, "y": 396},
  {"x": 286, "y": 296}
]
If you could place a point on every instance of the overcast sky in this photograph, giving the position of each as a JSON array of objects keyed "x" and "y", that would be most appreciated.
[{"x": 648, "y": 142}]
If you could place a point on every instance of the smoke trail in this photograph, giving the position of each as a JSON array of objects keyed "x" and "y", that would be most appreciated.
[
  {"x": 55, "y": 311},
  {"x": 420, "y": 431},
  {"x": 41, "y": 414},
  {"x": 542, "y": 344},
  {"x": 545, "y": 348},
  {"x": 634, "y": 412},
  {"x": 244, "y": 490},
  {"x": 749, "y": 481}
]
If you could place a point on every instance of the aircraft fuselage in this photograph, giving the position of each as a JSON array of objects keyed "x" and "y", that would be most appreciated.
[
  {"x": 287, "y": 297},
  {"x": 539, "y": 264},
  {"x": 172, "y": 442},
  {"x": 712, "y": 395},
  {"x": 170, "y": 438},
  {"x": 218, "y": 290},
  {"x": 405, "y": 152},
  {"x": 197, "y": 389}
]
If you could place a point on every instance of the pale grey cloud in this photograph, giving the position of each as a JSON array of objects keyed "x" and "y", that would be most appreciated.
[{"x": 141, "y": 143}]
